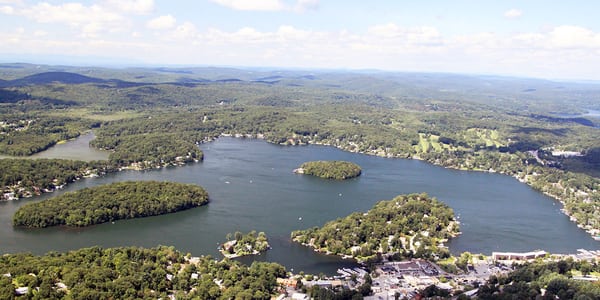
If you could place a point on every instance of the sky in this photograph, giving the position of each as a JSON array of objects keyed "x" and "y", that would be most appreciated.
[{"x": 526, "y": 38}]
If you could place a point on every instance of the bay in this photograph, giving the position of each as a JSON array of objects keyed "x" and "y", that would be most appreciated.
[{"x": 252, "y": 187}]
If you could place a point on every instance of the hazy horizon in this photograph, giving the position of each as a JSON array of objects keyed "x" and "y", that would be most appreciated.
[{"x": 532, "y": 39}]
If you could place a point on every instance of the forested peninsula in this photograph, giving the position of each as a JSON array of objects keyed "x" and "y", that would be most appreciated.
[
  {"x": 407, "y": 226},
  {"x": 111, "y": 202},
  {"x": 334, "y": 169}
]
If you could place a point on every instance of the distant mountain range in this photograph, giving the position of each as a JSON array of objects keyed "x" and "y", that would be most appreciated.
[
  {"x": 516, "y": 93},
  {"x": 51, "y": 77}
]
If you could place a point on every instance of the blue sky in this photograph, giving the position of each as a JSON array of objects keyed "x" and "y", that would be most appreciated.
[{"x": 533, "y": 38}]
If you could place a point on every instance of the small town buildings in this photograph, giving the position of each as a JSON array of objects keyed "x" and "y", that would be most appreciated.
[{"x": 518, "y": 256}]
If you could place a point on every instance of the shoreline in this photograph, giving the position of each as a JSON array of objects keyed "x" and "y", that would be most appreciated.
[{"x": 380, "y": 153}]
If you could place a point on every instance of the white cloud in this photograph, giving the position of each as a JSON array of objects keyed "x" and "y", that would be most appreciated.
[
  {"x": 261, "y": 5},
  {"x": 304, "y": 5},
  {"x": 186, "y": 31},
  {"x": 74, "y": 14},
  {"x": 291, "y": 33},
  {"x": 513, "y": 13},
  {"x": 139, "y": 7},
  {"x": 243, "y": 36},
  {"x": 393, "y": 47},
  {"x": 573, "y": 37},
  {"x": 40, "y": 33},
  {"x": 89, "y": 20},
  {"x": 108, "y": 16},
  {"x": 28, "y": 43},
  {"x": 391, "y": 36},
  {"x": 7, "y": 10},
  {"x": 162, "y": 22},
  {"x": 269, "y": 5}
]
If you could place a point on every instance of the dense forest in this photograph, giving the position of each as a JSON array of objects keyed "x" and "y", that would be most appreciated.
[
  {"x": 134, "y": 273},
  {"x": 407, "y": 226},
  {"x": 111, "y": 202},
  {"x": 339, "y": 170},
  {"x": 544, "y": 280}
]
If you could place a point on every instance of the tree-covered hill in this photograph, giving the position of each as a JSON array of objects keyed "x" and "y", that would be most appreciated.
[
  {"x": 111, "y": 202},
  {"x": 407, "y": 226},
  {"x": 52, "y": 77}
]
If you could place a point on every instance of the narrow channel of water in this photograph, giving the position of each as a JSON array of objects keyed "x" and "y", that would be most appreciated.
[
  {"x": 75, "y": 149},
  {"x": 252, "y": 187}
]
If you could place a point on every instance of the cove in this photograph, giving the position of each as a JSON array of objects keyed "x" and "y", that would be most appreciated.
[
  {"x": 75, "y": 149},
  {"x": 252, "y": 187}
]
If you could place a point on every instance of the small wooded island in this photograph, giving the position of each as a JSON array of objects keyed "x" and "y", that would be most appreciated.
[
  {"x": 412, "y": 225},
  {"x": 332, "y": 169},
  {"x": 111, "y": 202},
  {"x": 244, "y": 244}
]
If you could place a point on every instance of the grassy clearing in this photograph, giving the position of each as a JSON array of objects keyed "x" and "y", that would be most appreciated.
[
  {"x": 423, "y": 146},
  {"x": 487, "y": 137},
  {"x": 434, "y": 141},
  {"x": 85, "y": 113},
  {"x": 428, "y": 143},
  {"x": 473, "y": 136}
]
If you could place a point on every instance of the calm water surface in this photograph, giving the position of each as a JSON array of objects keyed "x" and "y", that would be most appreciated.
[
  {"x": 592, "y": 113},
  {"x": 75, "y": 149},
  {"x": 251, "y": 186}
]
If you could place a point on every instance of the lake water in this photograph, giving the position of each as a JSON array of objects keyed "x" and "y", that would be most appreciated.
[
  {"x": 75, "y": 149},
  {"x": 593, "y": 113},
  {"x": 589, "y": 113},
  {"x": 252, "y": 187}
]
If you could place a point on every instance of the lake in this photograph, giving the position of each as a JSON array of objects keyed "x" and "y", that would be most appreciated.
[{"x": 252, "y": 187}]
